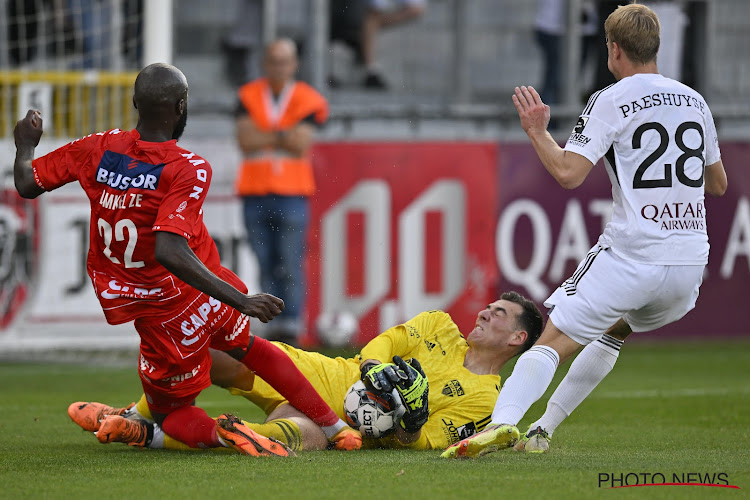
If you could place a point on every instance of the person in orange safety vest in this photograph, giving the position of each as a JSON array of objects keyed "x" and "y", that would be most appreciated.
[{"x": 276, "y": 122}]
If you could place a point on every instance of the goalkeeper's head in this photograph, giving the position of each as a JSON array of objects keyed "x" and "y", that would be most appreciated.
[
  {"x": 160, "y": 96},
  {"x": 507, "y": 327},
  {"x": 530, "y": 319}
]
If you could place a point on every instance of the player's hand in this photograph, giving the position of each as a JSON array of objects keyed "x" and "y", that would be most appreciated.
[
  {"x": 414, "y": 390},
  {"x": 29, "y": 130},
  {"x": 533, "y": 112},
  {"x": 380, "y": 377},
  {"x": 263, "y": 306}
]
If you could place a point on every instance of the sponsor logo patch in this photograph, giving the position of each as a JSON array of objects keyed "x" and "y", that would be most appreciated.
[
  {"x": 122, "y": 172},
  {"x": 580, "y": 124}
]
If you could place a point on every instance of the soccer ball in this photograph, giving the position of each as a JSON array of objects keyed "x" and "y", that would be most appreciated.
[
  {"x": 373, "y": 415},
  {"x": 336, "y": 329}
]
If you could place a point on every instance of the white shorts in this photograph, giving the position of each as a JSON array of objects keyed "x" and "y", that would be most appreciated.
[{"x": 606, "y": 287}]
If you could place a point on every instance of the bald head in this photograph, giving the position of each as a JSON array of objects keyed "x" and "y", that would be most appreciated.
[
  {"x": 159, "y": 87},
  {"x": 160, "y": 96},
  {"x": 280, "y": 63},
  {"x": 282, "y": 47}
]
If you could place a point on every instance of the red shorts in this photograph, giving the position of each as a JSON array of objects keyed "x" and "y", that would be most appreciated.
[{"x": 174, "y": 362}]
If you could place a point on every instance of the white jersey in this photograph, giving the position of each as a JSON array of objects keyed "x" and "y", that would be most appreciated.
[{"x": 656, "y": 135}]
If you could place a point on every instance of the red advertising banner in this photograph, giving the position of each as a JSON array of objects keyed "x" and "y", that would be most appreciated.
[
  {"x": 544, "y": 231},
  {"x": 397, "y": 229}
]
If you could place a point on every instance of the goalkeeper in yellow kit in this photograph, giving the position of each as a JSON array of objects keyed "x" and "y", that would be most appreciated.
[{"x": 449, "y": 393}]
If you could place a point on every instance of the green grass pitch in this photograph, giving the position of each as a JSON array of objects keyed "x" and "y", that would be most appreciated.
[{"x": 669, "y": 408}]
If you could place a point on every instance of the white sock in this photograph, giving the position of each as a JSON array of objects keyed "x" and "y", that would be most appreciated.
[
  {"x": 530, "y": 378},
  {"x": 594, "y": 362},
  {"x": 332, "y": 430},
  {"x": 157, "y": 442}
]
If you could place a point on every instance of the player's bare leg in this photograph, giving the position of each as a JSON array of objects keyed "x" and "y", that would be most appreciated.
[{"x": 310, "y": 435}]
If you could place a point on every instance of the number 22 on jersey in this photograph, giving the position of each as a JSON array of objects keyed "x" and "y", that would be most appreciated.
[{"x": 123, "y": 225}]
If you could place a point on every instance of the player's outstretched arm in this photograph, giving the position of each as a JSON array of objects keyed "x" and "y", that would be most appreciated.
[
  {"x": 716, "y": 179},
  {"x": 569, "y": 169},
  {"x": 27, "y": 134},
  {"x": 172, "y": 252}
]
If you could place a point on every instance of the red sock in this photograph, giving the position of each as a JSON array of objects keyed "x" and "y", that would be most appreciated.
[
  {"x": 192, "y": 426},
  {"x": 272, "y": 365}
]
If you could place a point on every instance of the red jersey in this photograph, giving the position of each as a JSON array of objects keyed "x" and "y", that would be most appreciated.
[{"x": 135, "y": 189}]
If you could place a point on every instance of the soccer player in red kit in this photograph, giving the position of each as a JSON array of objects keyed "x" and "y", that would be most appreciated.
[{"x": 152, "y": 261}]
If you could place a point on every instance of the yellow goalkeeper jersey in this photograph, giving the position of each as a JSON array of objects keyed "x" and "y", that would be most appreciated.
[{"x": 460, "y": 401}]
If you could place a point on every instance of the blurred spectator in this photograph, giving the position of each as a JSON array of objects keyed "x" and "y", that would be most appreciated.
[
  {"x": 671, "y": 59},
  {"x": 243, "y": 43},
  {"x": 132, "y": 33},
  {"x": 22, "y": 30},
  {"x": 673, "y": 20},
  {"x": 25, "y": 25},
  {"x": 550, "y": 26},
  {"x": 347, "y": 17},
  {"x": 276, "y": 122},
  {"x": 602, "y": 75},
  {"x": 382, "y": 14},
  {"x": 92, "y": 22}
]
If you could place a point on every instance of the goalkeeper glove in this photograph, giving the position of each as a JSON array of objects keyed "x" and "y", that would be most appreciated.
[
  {"x": 414, "y": 390},
  {"x": 380, "y": 377}
]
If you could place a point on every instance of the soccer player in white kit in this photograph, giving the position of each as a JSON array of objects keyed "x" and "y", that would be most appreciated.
[{"x": 662, "y": 155}]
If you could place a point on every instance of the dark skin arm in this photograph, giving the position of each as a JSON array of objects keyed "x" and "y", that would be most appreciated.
[
  {"x": 27, "y": 134},
  {"x": 172, "y": 252}
]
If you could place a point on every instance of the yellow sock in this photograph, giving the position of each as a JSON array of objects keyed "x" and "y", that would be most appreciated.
[
  {"x": 171, "y": 443},
  {"x": 142, "y": 408},
  {"x": 283, "y": 429}
]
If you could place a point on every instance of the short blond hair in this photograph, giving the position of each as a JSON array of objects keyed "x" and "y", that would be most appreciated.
[{"x": 635, "y": 28}]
